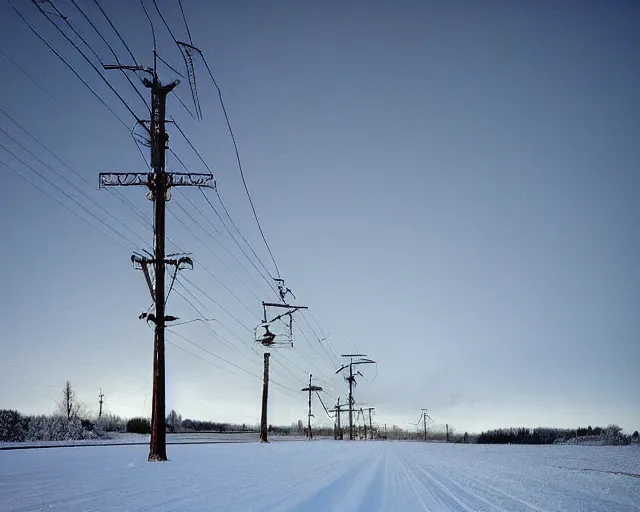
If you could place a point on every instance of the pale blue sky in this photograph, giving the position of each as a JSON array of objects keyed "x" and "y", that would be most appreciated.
[{"x": 452, "y": 184}]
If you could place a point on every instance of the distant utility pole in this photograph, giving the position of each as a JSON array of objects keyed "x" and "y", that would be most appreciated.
[
  {"x": 159, "y": 183},
  {"x": 268, "y": 340},
  {"x": 424, "y": 417},
  {"x": 364, "y": 423},
  {"x": 337, "y": 431},
  {"x": 100, "y": 401},
  {"x": 310, "y": 389},
  {"x": 265, "y": 397},
  {"x": 338, "y": 410},
  {"x": 352, "y": 381},
  {"x": 424, "y": 421},
  {"x": 370, "y": 424}
]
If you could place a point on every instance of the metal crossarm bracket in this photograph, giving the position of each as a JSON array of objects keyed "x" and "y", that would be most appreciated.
[{"x": 174, "y": 179}]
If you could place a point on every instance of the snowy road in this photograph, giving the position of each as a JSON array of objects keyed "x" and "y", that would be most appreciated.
[{"x": 323, "y": 475}]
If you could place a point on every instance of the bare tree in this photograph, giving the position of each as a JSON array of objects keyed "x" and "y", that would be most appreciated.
[{"x": 69, "y": 406}]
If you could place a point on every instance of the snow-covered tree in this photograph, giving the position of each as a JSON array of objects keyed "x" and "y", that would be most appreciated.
[{"x": 11, "y": 426}]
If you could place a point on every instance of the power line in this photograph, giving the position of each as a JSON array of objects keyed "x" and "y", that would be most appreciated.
[
  {"x": 69, "y": 66},
  {"x": 33, "y": 80},
  {"x": 222, "y": 358},
  {"x": 268, "y": 280},
  {"x": 126, "y": 75},
  {"x": 87, "y": 59},
  {"x": 67, "y": 195},
  {"x": 211, "y": 251},
  {"x": 66, "y": 207},
  {"x": 182, "y": 278},
  {"x": 153, "y": 30},
  {"x": 116, "y": 31},
  {"x": 185, "y": 22},
  {"x": 220, "y": 242},
  {"x": 235, "y": 146},
  {"x": 188, "y": 62},
  {"x": 69, "y": 183},
  {"x": 224, "y": 207},
  {"x": 206, "y": 270}
]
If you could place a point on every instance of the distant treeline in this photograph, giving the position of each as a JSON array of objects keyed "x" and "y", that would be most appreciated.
[{"x": 610, "y": 435}]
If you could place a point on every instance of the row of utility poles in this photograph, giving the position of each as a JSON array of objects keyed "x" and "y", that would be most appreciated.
[
  {"x": 153, "y": 266},
  {"x": 423, "y": 419},
  {"x": 354, "y": 360}
]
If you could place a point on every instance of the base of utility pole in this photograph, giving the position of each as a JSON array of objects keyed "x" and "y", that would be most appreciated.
[{"x": 265, "y": 397}]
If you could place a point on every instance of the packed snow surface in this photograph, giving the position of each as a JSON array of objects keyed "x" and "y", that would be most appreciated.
[{"x": 322, "y": 475}]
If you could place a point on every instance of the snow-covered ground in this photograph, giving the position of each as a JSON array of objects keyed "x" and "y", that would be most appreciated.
[
  {"x": 323, "y": 475},
  {"x": 125, "y": 438}
]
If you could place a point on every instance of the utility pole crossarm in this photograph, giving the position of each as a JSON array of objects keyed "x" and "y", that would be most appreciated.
[{"x": 174, "y": 179}]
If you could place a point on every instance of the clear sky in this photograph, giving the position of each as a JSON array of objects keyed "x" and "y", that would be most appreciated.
[{"x": 451, "y": 187}]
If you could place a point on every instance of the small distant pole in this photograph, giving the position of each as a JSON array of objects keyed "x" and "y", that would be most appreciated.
[
  {"x": 370, "y": 424},
  {"x": 352, "y": 380},
  {"x": 424, "y": 422},
  {"x": 310, "y": 389},
  {"x": 100, "y": 401},
  {"x": 339, "y": 431},
  {"x": 447, "y": 426},
  {"x": 265, "y": 396}
]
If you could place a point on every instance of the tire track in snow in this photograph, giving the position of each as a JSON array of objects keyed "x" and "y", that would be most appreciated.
[
  {"x": 441, "y": 485},
  {"x": 346, "y": 489}
]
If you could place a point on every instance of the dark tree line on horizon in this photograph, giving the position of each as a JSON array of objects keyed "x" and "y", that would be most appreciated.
[{"x": 611, "y": 434}]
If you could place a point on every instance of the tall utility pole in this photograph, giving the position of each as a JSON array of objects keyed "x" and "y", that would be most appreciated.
[
  {"x": 268, "y": 341},
  {"x": 158, "y": 182},
  {"x": 352, "y": 381},
  {"x": 100, "y": 401},
  {"x": 310, "y": 389},
  {"x": 265, "y": 397}
]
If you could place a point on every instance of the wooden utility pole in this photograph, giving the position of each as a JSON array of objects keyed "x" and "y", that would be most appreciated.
[
  {"x": 364, "y": 423},
  {"x": 352, "y": 380},
  {"x": 268, "y": 340},
  {"x": 158, "y": 182},
  {"x": 338, "y": 433},
  {"x": 100, "y": 401},
  {"x": 423, "y": 418},
  {"x": 424, "y": 422},
  {"x": 370, "y": 423},
  {"x": 265, "y": 399},
  {"x": 310, "y": 389}
]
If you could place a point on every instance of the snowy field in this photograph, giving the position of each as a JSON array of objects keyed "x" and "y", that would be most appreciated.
[
  {"x": 322, "y": 475},
  {"x": 117, "y": 438}
]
